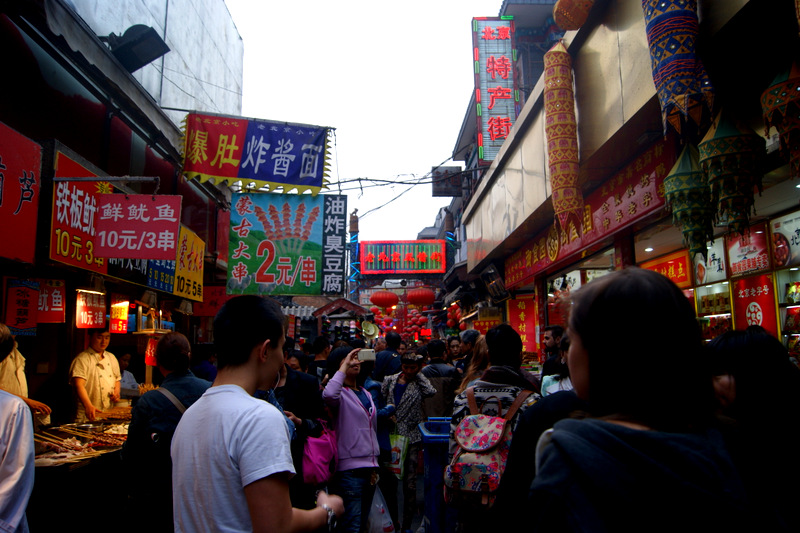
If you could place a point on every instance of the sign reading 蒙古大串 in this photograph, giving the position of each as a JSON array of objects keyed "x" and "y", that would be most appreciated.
[{"x": 287, "y": 244}]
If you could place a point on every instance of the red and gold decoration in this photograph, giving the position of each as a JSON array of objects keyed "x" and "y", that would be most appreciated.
[
  {"x": 688, "y": 195},
  {"x": 561, "y": 129},
  {"x": 684, "y": 89},
  {"x": 780, "y": 104},
  {"x": 571, "y": 14},
  {"x": 729, "y": 155}
]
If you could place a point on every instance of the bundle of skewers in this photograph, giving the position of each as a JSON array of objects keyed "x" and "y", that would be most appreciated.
[
  {"x": 58, "y": 450},
  {"x": 97, "y": 439},
  {"x": 114, "y": 413},
  {"x": 288, "y": 235}
]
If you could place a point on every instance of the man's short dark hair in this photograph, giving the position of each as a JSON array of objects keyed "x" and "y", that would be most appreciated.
[
  {"x": 172, "y": 352},
  {"x": 243, "y": 323},
  {"x": 436, "y": 349},
  {"x": 393, "y": 340},
  {"x": 556, "y": 330},
  {"x": 505, "y": 346},
  {"x": 470, "y": 336},
  {"x": 320, "y": 345},
  {"x": 98, "y": 331},
  {"x": 7, "y": 342}
]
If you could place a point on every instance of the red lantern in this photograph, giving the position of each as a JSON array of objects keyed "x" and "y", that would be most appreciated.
[
  {"x": 384, "y": 299},
  {"x": 421, "y": 296},
  {"x": 462, "y": 326},
  {"x": 375, "y": 309},
  {"x": 387, "y": 321},
  {"x": 451, "y": 323}
]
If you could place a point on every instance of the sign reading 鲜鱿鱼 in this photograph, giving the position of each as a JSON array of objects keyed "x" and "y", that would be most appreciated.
[
  {"x": 265, "y": 153},
  {"x": 20, "y": 180},
  {"x": 287, "y": 244},
  {"x": 496, "y": 92},
  {"x": 73, "y": 236},
  {"x": 137, "y": 226},
  {"x": 188, "y": 281},
  {"x": 397, "y": 257}
]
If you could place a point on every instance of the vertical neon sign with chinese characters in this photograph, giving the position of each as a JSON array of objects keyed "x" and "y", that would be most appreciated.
[{"x": 496, "y": 92}]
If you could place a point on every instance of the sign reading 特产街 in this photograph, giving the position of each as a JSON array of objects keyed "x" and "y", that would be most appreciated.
[
  {"x": 398, "y": 257},
  {"x": 496, "y": 94},
  {"x": 20, "y": 180},
  {"x": 137, "y": 226},
  {"x": 287, "y": 244},
  {"x": 260, "y": 152}
]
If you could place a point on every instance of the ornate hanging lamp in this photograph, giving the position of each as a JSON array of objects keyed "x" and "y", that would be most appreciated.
[
  {"x": 571, "y": 14},
  {"x": 688, "y": 195},
  {"x": 730, "y": 155},
  {"x": 561, "y": 130},
  {"x": 684, "y": 89},
  {"x": 780, "y": 104}
]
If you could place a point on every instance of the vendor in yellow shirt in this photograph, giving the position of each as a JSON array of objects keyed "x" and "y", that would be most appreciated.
[{"x": 95, "y": 376}]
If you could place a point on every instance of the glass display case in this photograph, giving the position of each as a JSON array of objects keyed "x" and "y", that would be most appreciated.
[
  {"x": 713, "y": 304},
  {"x": 788, "y": 287}
]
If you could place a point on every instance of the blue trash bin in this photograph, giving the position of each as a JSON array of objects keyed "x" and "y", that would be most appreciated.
[{"x": 435, "y": 442}]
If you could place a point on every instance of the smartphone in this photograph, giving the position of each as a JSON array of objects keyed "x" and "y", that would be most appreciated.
[{"x": 366, "y": 354}]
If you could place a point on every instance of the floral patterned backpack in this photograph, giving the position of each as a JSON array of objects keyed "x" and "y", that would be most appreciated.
[{"x": 473, "y": 475}]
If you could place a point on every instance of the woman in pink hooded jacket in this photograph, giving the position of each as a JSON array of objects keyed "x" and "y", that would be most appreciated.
[{"x": 355, "y": 422}]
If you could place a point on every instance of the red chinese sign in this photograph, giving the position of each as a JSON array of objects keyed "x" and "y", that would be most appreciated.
[
  {"x": 119, "y": 314},
  {"x": 384, "y": 257},
  {"x": 214, "y": 297},
  {"x": 632, "y": 194},
  {"x": 90, "y": 310},
  {"x": 22, "y": 298},
  {"x": 150, "y": 352},
  {"x": 522, "y": 315},
  {"x": 137, "y": 226},
  {"x": 51, "y": 301},
  {"x": 496, "y": 94},
  {"x": 754, "y": 303},
  {"x": 485, "y": 325},
  {"x": 20, "y": 180},
  {"x": 72, "y": 235},
  {"x": 748, "y": 252},
  {"x": 675, "y": 266}
]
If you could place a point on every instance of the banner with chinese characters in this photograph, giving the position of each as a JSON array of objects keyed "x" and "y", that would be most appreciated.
[
  {"x": 754, "y": 303},
  {"x": 20, "y": 180},
  {"x": 138, "y": 226},
  {"x": 161, "y": 275},
  {"x": 786, "y": 240},
  {"x": 446, "y": 181},
  {"x": 675, "y": 266},
  {"x": 713, "y": 268},
  {"x": 189, "y": 266},
  {"x": 632, "y": 194},
  {"x": 749, "y": 251},
  {"x": 21, "y": 306},
  {"x": 72, "y": 235},
  {"x": 398, "y": 257},
  {"x": 51, "y": 301},
  {"x": 119, "y": 314},
  {"x": 150, "y": 352},
  {"x": 90, "y": 310},
  {"x": 287, "y": 244},
  {"x": 496, "y": 92},
  {"x": 521, "y": 311},
  {"x": 263, "y": 153},
  {"x": 485, "y": 325},
  {"x": 214, "y": 297}
]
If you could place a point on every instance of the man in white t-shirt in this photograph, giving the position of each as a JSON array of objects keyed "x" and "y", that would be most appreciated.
[
  {"x": 231, "y": 460},
  {"x": 95, "y": 375}
]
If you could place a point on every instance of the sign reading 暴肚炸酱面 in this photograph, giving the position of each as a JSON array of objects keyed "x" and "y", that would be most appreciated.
[
  {"x": 137, "y": 226},
  {"x": 287, "y": 244},
  {"x": 264, "y": 153}
]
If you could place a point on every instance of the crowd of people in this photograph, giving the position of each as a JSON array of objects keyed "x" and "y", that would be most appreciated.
[{"x": 611, "y": 435}]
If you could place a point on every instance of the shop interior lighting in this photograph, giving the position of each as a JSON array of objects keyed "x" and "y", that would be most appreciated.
[
  {"x": 96, "y": 286},
  {"x": 648, "y": 249}
]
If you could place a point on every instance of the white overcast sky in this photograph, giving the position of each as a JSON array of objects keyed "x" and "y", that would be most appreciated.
[{"x": 394, "y": 79}]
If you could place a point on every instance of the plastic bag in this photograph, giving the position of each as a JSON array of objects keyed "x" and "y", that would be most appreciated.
[
  {"x": 399, "y": 445},
  {"x": 379, "y": 519}
]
